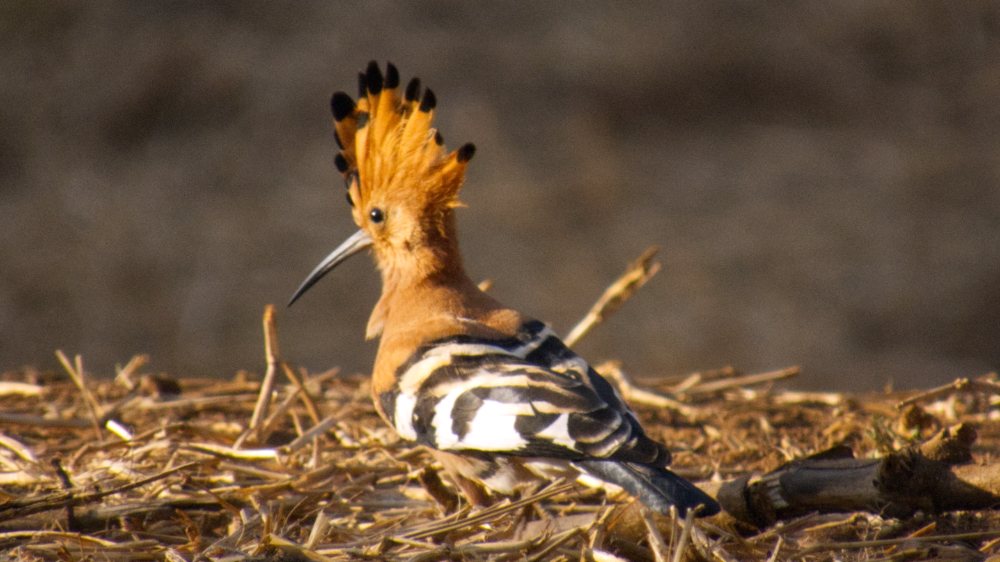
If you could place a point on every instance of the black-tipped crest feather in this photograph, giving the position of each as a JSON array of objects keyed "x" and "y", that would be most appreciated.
[
  {"x": 374, "y": 79},
  {"x": 391, "y": 76},
  {"x": 466, "y": 152},
  {"x": 429, "y": 102},
  {"x": 412, "y": 90},
  {"x": 385, "y": 124},
  {"x": 342, "y": 105},
  {"x": 340, "y": 162}
]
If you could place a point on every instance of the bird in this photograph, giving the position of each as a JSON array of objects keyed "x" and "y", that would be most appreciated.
[{"x": 495, "y": 395}]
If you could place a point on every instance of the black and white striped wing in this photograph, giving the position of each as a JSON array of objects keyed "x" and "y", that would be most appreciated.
[{"x": 527, "y": 396}]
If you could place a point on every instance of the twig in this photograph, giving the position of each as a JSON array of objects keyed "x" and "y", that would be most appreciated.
[
  {"x": 487, "y": 514},
  {"x": 631, "y": 393},
  {"x": 79, "y": 538},
  {"x": 39, "y": 421},
  {"x": 18, "y": 448},
  {"x": 708, "y": 548},
  {"x": 22, "y": 508},
  {"x": 306, "y": 437},
  {"x": 921, "y": 532},
  {"x": 746, "y": 380},
  {"x": 8, "y": 388},
  {"x": 777, "y": 548},
  {"x": 264, "y": 431},
  {"x": 676, "y": 383},
  {"x": 656, "y": 543},
  {"x": 793, "y": 397},
  {"x": 959, "y": 385},
  {"x": 555, "y": 542},
  {"x": 318, "y": 529},
  {"x": 232, "y": 452},
  {"x": 77, "y": 375},
  {"x": 685, "y": 536},
  {"x": 635, "y": 276},
  {"x": 856, "y": 545},
  {"x": 124, "y": 376},
  {"x": 306, "y": 398},
  {"x": 195, "y": 402}
]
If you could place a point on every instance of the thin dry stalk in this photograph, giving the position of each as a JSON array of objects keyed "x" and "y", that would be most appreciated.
[
  {"x": 746, "y": 380},
  {"x": 685, "y": 536},
  {"x": 76, "y": 373},
  {"x": 636, "y": 395},
  {"x": 879, "y": 543},
  {"x": 983, "y": 385},
  {"x": 22, "y": 508},
  {"x": 777, "y": 549},
  {"x": 656, "y": 543},
  {"x": 711, "y": 549},
  {"x": 223, "y": 451},
  {"x": 636, "y": 275},
  {"x": 459, "y": 521},
  {"x": 11, "y": 388},
  {"x": 307, "y": 437},
  {"x": 124, "y": 375},
  {"x": 39, "y": 421},
  {"x": 828, "y": 398},
  {"x": 267, "y": 385},
  {"x": 553, "y": 543},
  {"x": 307, "y": 400},
  {"x": 18, "y": 448}
]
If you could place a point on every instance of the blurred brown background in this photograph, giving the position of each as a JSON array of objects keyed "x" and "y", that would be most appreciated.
[{"x": 823, "y": 178}]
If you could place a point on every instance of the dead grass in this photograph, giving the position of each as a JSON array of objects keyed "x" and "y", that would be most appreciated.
[
  {"x": 146, "y": 467},
  {"x": 150, "y": 471}
]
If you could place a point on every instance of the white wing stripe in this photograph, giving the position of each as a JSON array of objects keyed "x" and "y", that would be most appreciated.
[
  {"x": 404, "y": 416},
  {"x": 558, "y": 432},
  {"x": 440, "y": 356},
  {"x": 493, "y": 427}
]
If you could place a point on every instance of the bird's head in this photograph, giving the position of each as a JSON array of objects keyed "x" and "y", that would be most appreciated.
[{"x": 402, "y": 184}]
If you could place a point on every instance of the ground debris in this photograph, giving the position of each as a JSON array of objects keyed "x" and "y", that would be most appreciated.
[
  {"x": 144, "y": 467},
  {"x": 172, "y": 484}
]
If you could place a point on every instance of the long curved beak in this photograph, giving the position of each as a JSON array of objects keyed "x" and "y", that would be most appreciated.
[{"x": 357, "y": 242}]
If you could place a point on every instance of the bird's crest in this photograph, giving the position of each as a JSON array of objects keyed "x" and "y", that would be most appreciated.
[{"x": 388, "y": 150}]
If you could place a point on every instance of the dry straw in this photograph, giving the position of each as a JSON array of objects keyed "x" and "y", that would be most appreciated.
[{"x": 299, "y": 466}]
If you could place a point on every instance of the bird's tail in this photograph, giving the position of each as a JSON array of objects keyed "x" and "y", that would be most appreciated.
[{"x": 657, "y": 488}]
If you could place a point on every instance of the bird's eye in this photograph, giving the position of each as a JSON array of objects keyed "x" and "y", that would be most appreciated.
[{"x": 376, "y": 215}]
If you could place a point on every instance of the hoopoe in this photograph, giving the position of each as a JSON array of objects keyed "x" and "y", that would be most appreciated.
[{"x": 496, "y": 396}]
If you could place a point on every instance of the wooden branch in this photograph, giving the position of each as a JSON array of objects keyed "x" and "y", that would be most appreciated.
[{"x": 926, "y": 479}]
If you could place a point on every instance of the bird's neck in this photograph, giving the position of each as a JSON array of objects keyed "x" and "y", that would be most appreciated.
[
  {"x": 417, "y": 309},
  {"x": 413, "y": 292}
]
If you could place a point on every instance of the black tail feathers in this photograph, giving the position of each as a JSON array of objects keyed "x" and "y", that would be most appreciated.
[{"x": 657, "y": 488}]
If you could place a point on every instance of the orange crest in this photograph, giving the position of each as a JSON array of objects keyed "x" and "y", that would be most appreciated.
[{"x": 389, "y": 151}]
